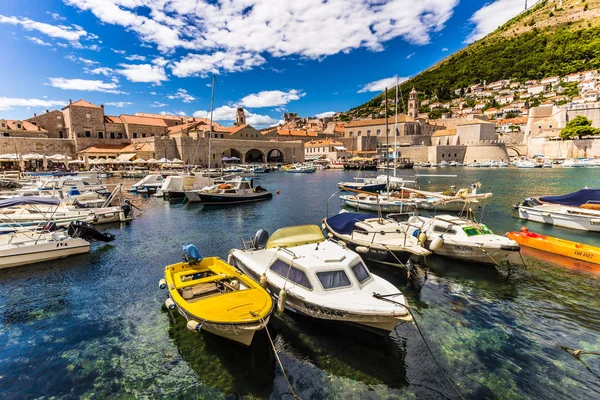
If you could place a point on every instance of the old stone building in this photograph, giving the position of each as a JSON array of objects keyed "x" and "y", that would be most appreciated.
[
  {"x": 18, "y": 128},
  {"x": 413, "y": 104},
  {"x": 84, "y": 119},
  {"x": 52, "y": 121},
  {"x": 141, "y": 127}
]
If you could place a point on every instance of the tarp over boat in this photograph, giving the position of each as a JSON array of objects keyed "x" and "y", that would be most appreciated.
[
  {"x": 343, "y": 223},
  {"x": 575, "y": 199},
  {"x": 24, "y": 200}
]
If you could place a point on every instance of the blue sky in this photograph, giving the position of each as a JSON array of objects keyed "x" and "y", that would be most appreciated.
[{"x": 305, "y": 56}]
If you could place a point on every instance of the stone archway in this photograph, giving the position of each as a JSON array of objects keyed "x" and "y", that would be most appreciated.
[
  {"x": 275, "y": 156},
  {"x": 229, "y": 155},
  {"x": 513, "y": 151},
  {"x": 254, "y": 156}
]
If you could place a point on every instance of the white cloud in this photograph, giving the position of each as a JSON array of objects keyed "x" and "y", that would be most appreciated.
[
  {"x": 153, "y": 93},
  {"x": 118, "y": 51},
  {"x": 85, "y": 85},
  {"x": 236, "y": 35},
  {"x": 69, "y": 33},
  {"x": 271, "y": 98},
  {"x": 409, "y": 56},
  {"x": 157, "y": 104},
  {"x": 56, "y": 16},
  {"x": 82, "y": 60},
  {"x": 325, "y": 114},
  {"x": 445, "y": 49},
  {"x": 38, "y": 41},
  {"x": 493, "y": 15},
  {"x": 135, "y": 57},
  {"x": 205, "y": 64},
  {"x": 100, "y": 71},
  {"x": 380, "y": 85},
  {"x": 119, "y": 104},
  {"x": 181, "y": 113},
  {"x": 183, "y": 95},
  {"x": 8, "y": 103},
  {"x": 228, "y": 113},
  {"x": 143, "y": 73}
]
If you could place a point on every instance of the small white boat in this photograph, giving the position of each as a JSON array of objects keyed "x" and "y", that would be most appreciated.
[
  {"x": 239, "y": 190},
  {"x": 527, "y": 164},
  {"x": 374, "y": 202},
  {"x": 460, "y": 238},
  {"x": 301, "y": 169},
  {"x": 150, "y": 183},
  {"x": 574, "y": 163},
  {"x": 560, "y": 215},
  {"x": 320, "y": 278}
]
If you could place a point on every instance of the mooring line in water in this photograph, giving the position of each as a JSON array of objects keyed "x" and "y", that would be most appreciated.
[
  {"x": 578, "y": 353},
  {"x": 488, "y": 254},
  {"x": 280, "y": 364},
  {"x": 523, "y": 261}
]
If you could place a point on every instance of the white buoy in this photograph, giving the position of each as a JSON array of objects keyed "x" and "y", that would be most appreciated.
[
  {"x": 162, "y": 284},
  {"x": 361, "y": 249},
  {"x": 263, "y": 281},
  {"x": 194, "y": 326},
  {"x": 436, "y": 243},
  {"x": 422, "y": 237},
  {"x": 281, "y": 300},
  {"x": 170, "y": 304}
]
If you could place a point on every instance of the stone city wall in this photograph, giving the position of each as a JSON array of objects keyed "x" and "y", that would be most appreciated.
[
  {"x": 486, "y": 152},
  {"x": 438, "y": 154},
  {"x": 585, "y": 148},
  {"x": 84, "y": 143},
  {"x": 45, "y": 146},
  {"x": 416, "y": 153}
]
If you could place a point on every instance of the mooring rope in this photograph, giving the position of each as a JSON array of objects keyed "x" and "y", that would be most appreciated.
[{"x": 279, "y": 362}]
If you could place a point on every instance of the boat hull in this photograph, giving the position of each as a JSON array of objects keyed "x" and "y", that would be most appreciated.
[
  {"x": 476, "y": 254},
  {"x": 578, "y": 251},
  {"x": 583, "y": 222},
  {"x": 216, "y": 199},
  {"x": 387, "y": 208},
  {"x": 43, "y": 252},
  {"x": 372, "y": 188}
]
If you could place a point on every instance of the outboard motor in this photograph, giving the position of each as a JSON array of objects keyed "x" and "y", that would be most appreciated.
[
  {"x": 87, "y": 232},
  {"x": 531, "y": 202},
  {"x": 191, "y": 253},
  {"x": 50, "y": 226},
  {"x": 126, "y": 209},
  {"x": 260, "y": 239}
]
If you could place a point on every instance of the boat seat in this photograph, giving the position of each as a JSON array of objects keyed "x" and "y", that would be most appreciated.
[
  {"x": 179, "y": 284},
  {"x": 201, "y": 289}
]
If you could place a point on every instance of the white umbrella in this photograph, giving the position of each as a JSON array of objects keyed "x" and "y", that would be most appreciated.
[
  {"x": 164, "y": 161},
  {"x": 177, "y": 161},
  {"x": 140, "y": 161},
  {"x": 76, "y": 162},
  {"x": 152, "y": 161},
  {"x": 93, "y": 161}
]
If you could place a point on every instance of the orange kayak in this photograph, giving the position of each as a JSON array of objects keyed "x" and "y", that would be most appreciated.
[{"x": 578, "y": 251}]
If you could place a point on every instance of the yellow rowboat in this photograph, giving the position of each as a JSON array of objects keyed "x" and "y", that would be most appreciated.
[
  {"x": 214, "y": 297},
  {"x": 578, "y": 251}
]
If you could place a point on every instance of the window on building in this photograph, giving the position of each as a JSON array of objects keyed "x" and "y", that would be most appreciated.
[
  {"x": 88, "y": 134},
  {"x": 152, "y": 135},
  {"x": 216, "y": 135},
  {"x": 143, "y": 135},
  {"x": 120, "y": 136},
  {"x": 291, "y": 273},
  {"x": 388, "y": 131},
  {"x": 59, "y": 117},
  {"x": 454, "y": 154},
  {"x": 59, "y": 125},
  {"x": 88, "y": 116},
  {"x": 134, "y": 135},
  {"x": 369, "y": 133},
  {"x": 18, "y": 126},
  {"x": 442, "y": 155},
  {"x": 378, "y": 132},
  {"x": 100, "y": 135},
  {"x": 112, "y": 135},
  {"x": 359, "y": 133},
  {"x": 221, "y": 136},
  {"x": 6, "y": 134},
  {"x": 3, "y": 125}
]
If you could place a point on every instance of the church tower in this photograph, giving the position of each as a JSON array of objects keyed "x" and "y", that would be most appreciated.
[
  {"x": 240, "y": 118},
  {"x": 413, "y": 106}
]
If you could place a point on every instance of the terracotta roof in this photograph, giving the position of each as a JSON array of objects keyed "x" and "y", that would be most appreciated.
[
  {"x": 136, "y": 120},
  {"x": 233, "y": 129},
  {"x": 295, "y": 132},
  {"x": 112, "y": 119},
  {"x": 321, "y": 143},
  {"x": 379, "y": 121},
  {"x": 83, "y": 103},
  {"x": 444, "y": 132},
  {"x": 11, "y": 124},
  {"x": 161, "y": 116},
  {"x": 512, "y": 121},
  {"x": 474, "y": 121},
  {"x": 116, "y": 149}
]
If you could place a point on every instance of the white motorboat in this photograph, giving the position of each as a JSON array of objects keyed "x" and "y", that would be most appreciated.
[
  {"x": 574, "y": 163},
  {"x": 547, "y": 164},
  {"x": 452, "y": 201},
  {"x": 395, "y": 182},
  {"x": 239, "y": 190},
  {"x": 175, "y": 186},
  {"x": 149, "y": 184},
  {"x": 320, "y": 278},
  {"x": 527, "y": 164},
  {"x": 374, "y": 202},
  {"x": 301, "y": 169},
  {"x": 377, "y": 239},
  {"x": 560, "y": 215},
  {"x": 461, "y": 238}
]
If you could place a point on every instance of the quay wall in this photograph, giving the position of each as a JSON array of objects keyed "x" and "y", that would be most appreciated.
[
  {"x": 486, "y": 152},
  {"x": 46, "y": 146},
  {"x": 584, "y": 148},
  {"x": 416, "y": 153}
]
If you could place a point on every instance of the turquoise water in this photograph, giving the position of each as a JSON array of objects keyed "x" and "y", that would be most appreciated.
[{"x": 93, "y": 326}]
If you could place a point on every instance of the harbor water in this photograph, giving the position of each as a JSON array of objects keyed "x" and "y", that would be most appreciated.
[{"x": 94, "y": 326}]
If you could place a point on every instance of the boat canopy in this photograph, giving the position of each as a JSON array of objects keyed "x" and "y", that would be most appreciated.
[
  {"x": 344, "y": 223},
  {"x": 295, "y": 236},
  {"x": 24, "y": 200},
  {"x": 575, "y": 199}
]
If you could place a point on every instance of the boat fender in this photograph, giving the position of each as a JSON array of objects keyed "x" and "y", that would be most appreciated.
[
  {"x": 329, "y": 235},
  {"x": 235, "y": 284},
  {"x": 162, "y": 284},
  {"x": 263, "y": 281},
  {"x": 323, "y": 226},
  {"x": 281, "y": 300},
  {"x": 436, "y": 243},
  {"x": 422, "y": 237},
  {"x": 194, "y": 326},
  {"x": 362, "y": 249},
  {"x": 170, "y": 304},
  {"x": 416, "y": 233}
]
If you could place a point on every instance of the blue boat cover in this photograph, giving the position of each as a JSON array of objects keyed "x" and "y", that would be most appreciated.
[
  {"x": 574, "y": 199},
  {"x": 22, "y": 200},
  {"x": 343, "y": 223}
]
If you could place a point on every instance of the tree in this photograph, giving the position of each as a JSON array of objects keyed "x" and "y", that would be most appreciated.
[
  {"x": 510, "y": 114},
  {"x": 435, "y": 114},
  {"x": 578, "y": 127}
]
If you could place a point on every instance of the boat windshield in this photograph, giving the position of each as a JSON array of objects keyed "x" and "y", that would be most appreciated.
[
  {"x": 474, "y": 231},
  {"x": 290, "y": 273},
  {"x": 333, "y": 279},
  {"x": 361, "y": 273}
]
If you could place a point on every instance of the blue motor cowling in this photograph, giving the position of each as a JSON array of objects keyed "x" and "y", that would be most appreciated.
[{"x": 191, "y": 253}]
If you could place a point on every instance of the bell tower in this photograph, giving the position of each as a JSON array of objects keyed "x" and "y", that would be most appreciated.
[
  {"x": 413, "y": 107},
  {"x": 240, "y": 118}
]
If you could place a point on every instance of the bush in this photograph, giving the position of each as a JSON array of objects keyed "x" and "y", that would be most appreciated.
[{"x": 578, "y": 127}]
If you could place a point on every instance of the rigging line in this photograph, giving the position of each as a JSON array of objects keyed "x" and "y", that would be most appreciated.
[{"x": 279, "y": 361}]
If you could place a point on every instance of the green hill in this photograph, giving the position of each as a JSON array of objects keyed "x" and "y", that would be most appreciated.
[{"x": 543, "y": 41}]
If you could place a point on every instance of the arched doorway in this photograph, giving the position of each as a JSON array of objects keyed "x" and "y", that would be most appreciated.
[
  {"x": 231, "y": 156},
  {"x": 254, "y": 156},
  {"x": 275, "y": 156},
  {"x": 513, "y": 152}
]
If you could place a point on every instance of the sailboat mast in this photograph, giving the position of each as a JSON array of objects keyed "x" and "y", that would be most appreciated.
[
  {"x": 212, "y": 106},
  {"x": 387, "y": 143},
  {"x": 396, "y": 131}
]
